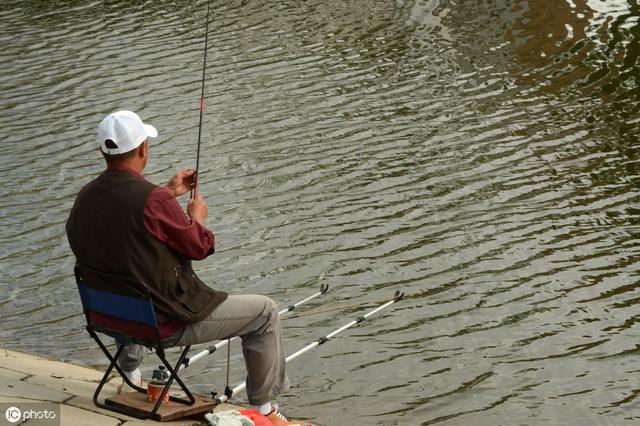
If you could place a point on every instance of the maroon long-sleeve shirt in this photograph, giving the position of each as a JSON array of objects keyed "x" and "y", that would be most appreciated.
[{"x": 167, "y": 221}]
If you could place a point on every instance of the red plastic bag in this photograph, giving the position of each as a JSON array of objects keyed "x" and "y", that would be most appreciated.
[{"x": 257, "y": 418}]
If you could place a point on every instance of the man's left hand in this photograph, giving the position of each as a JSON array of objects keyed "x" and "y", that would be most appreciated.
[{"x": 182, "y": 182}]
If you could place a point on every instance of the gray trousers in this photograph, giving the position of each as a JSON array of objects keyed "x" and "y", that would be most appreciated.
[{"x": 255, "y": 319}]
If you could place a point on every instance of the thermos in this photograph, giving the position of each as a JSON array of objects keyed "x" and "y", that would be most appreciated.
[{"x": 158, "y": 382}]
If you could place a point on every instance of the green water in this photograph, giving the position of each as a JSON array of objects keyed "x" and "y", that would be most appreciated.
[{"x": 480, "y": 155}]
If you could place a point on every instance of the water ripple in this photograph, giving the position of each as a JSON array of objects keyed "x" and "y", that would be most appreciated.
[{"x": 481, "y": 157}]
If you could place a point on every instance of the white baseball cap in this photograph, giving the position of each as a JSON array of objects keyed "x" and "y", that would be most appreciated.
[{"x": 123, "y": 131}]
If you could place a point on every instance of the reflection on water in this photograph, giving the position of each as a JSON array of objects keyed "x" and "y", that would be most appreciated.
[{"x": 481, "y": 156}]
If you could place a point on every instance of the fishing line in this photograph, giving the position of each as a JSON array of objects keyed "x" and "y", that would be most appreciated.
[{"x": 194, "y": 191}]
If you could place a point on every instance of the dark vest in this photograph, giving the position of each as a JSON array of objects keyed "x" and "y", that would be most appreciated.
[{"x": 106, "y": 232}]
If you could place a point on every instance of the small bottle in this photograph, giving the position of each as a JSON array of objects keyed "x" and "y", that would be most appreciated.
[{"x": 157, "y": 384}]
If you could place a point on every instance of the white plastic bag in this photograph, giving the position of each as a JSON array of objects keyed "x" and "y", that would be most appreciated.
[{"x": 228, "y": 418}]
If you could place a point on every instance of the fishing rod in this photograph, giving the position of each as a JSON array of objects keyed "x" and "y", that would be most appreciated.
[
  {"x": 325, "y": 310},
  {"x": 397, "y": 297},
  {"x": 194, "y": 191},
  {"x": 211, "y": 349}
]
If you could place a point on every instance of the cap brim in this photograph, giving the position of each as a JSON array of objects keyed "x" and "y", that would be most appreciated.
[{"x": 151, "y": 131}]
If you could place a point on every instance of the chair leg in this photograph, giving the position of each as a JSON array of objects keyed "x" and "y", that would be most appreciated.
[
  {"x": 130, "y": 411},
  {"x": 174, "y": 375},
  {"x": 106, "y": 375},
  {"x": 113, "y": 363}
]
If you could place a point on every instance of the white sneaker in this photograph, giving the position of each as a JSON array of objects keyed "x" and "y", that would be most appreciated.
[{"x": 123, "y": 387}]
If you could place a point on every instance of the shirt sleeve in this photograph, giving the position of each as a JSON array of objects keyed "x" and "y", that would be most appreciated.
[{"x": 167, "y": 222}]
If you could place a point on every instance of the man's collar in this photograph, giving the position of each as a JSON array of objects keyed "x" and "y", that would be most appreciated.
[{"x": 124, "y": 167}]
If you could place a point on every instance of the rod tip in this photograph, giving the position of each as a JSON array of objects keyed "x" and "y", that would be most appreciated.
[
  {"x": 398, "y": 296},
  {"x": 324, "y": 288}
]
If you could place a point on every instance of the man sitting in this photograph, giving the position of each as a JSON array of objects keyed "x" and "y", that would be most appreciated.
[{"x": 122, "y": 224}]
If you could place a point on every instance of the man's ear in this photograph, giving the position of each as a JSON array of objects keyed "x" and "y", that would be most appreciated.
[{"x": 143, "y": 150}]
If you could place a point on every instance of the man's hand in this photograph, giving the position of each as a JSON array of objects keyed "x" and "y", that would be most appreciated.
[
  {"x": 197, "y": 209},
  {"x": 182, "y": 182}
]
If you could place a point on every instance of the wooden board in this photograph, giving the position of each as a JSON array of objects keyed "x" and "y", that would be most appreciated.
[{"x": 168, "y": 410}]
